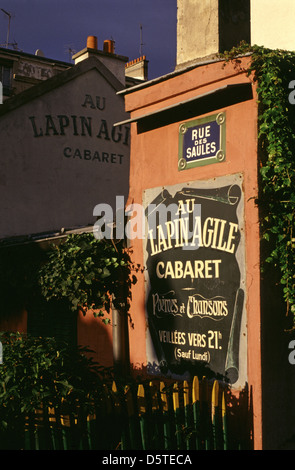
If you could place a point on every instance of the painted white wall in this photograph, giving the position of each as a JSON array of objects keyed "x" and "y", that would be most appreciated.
[
  {"x": 272, "y": 23},
  {"x": 198, "y": 28},
  {"x": 49, "y": 182}
]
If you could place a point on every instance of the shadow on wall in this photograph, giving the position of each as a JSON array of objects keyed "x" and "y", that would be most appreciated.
[
  {"x": 16, "y": 322},
  {"x": 93, "y": 334}
]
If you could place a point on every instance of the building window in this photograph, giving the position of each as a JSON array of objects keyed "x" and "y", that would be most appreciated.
[
  {"x": 6, "y": 79},
  {"x": 53, "y": 319}
]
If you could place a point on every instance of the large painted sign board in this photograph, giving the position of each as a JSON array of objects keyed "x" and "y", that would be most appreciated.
[{"x": 195, "y": 278}]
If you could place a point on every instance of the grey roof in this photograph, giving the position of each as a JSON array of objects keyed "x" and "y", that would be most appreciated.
[{"x": 58, "y": 80}]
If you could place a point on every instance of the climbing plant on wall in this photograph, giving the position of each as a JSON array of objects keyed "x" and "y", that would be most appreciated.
[
  {"x": 273, "y": 71},
  {"x": 89, "y": 273},
  {"x": 82, "y": 271}
]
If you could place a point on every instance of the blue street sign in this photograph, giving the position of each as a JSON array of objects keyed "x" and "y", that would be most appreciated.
[{"x": 202, "y": 141}]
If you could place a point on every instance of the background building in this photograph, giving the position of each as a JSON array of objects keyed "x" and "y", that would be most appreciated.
[{"x": 60, "y": 157}]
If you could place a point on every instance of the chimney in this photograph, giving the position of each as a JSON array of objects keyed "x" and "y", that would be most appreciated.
[
  {"x": 91, "y": 48},
  {"x": 207, "y": 27},
  {"x": 137, "y": 69},
  {"x": 115, "y": 63},
  {"x": 92, "y": 42},
  {"x": 109, "y": 46}
]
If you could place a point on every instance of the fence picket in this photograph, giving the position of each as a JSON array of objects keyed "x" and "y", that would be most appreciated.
[
  {"x": 215, "y": 411},
  {"x": 120, "y": 416},
  {"x": 134, "y": 435},
  {"x": 206, "y": 422},
  {"x": 106, "y": 425},
  {"x": 156, "y": 417},
  {"x": 143, "y": 416},
  {"x": 167, "y": 422},
  {"x": 65, "y": 423},
  {"x": 52, "y": 427},
  {"x": 177, "y": 415},
  {"x": 188, "y": 416},
  {"x": 224, "y": 423},
  {"x": 151, "y": 416},
  {"x": 196, "y": 411}
]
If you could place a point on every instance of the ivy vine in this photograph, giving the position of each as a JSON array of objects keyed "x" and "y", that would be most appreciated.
[
  {"x": 89, "y": 274},
  {"x": 273, "y": 70}
]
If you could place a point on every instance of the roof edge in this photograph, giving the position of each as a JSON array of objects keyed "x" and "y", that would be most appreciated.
[
  {"x": 58, "y": 80},
  {"x": 42, "y": 237},
  {"x": 177, "y": 71}
]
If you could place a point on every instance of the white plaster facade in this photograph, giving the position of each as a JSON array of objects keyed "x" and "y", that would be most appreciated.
[{"x": 60, "y": 155}]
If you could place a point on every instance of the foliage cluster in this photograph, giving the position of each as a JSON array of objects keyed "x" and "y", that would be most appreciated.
[
  {"x": 273, "y": 70},
  {"x": 39, "y": 371},
  {"x": 89, "y": 273},
  {"x": 81, "y": 271}
]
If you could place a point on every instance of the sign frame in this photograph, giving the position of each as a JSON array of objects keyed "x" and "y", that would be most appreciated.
[
  {"x": 220, "y": 155},
  {"x": 232, "y": 359}
]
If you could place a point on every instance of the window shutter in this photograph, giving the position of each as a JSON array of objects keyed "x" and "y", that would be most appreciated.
[{"x": 53, "y": 319}]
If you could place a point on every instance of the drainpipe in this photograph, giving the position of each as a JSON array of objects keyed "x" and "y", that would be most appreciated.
[
  {"x": 121, "y": 356},
  {"x": 120, "y": 342},
  {"x": 120, "y": 335}
]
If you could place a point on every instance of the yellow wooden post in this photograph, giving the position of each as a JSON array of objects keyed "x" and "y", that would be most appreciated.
[
  {"x": 141, "y": 400},
  {"x": 215, "y": 397},
  {"x": 164, "y": 398},
  {"x": 175, "y": 397},
  {"x": 214, "y": 412},
  {"x": 196, "y": 410}
]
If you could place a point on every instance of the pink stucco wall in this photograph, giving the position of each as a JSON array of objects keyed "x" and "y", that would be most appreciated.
[
  {"x": 96, "y": 336},
  {"x": 16, "y": 322},
  {"x": 154, "y": 164}
]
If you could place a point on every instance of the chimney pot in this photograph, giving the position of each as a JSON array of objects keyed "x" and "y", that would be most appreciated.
[
  {"x": 109, "y": 46},
  {"x": 137, "y": 68},
  {"x": 92, "y": 42}
]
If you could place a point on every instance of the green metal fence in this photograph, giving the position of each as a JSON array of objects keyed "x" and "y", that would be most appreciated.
[{"x": 200, "y": 415}]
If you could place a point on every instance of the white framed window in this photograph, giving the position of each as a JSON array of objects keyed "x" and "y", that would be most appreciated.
[{"x": 6, "y": 79}]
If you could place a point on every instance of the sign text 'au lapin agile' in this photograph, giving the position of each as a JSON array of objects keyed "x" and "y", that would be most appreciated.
[
  {"x": 98, "y": 130},
  {"x": 195, "y": 277}
]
